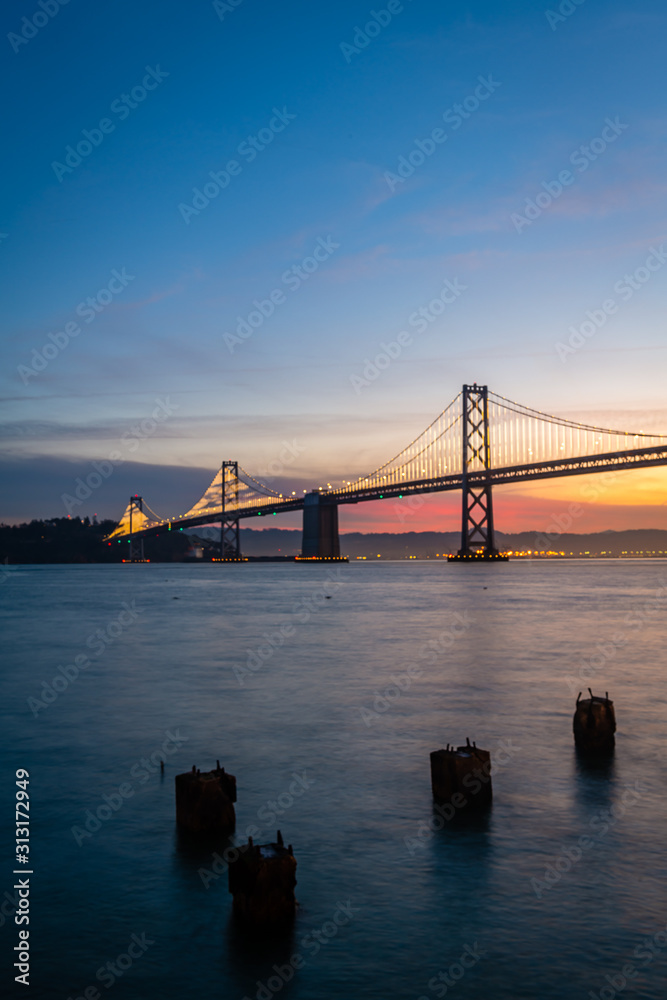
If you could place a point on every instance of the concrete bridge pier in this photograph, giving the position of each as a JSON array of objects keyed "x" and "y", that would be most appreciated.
[{"x": 320, "y": 539}]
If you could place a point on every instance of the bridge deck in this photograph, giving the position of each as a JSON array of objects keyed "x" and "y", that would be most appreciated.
[{"x": 635, "y": 458}]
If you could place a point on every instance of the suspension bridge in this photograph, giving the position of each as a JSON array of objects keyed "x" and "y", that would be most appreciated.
[{"x": 479, "y": 441}]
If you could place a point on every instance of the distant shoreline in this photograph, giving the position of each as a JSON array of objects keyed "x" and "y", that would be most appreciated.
[
  {"x": 63, "y": 541},
  {"x": 8, "y": 567}
]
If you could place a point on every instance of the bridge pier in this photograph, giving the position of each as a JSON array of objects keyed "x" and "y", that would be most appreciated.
[{"x": 320, "y": 540}]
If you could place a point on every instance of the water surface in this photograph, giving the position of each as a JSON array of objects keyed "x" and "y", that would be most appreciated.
[{"x": 254, "y": 666}]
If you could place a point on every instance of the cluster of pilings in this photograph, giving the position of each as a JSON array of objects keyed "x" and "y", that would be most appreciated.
[
  {"x": 461, "y": 776},
  {"x": 263, "y": 876}
]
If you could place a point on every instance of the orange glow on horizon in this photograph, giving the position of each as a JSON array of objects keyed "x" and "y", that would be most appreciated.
[{"x": 635, "y": 499}]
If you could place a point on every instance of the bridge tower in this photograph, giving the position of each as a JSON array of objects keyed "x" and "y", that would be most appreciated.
[
  {"x": 136, "y": 553},
  {"x": 477, "y": 537},
  {"x": 230, "y": 542}
]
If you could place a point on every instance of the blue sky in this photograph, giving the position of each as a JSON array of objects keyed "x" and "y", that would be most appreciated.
[{"x": 332, "y": 126}]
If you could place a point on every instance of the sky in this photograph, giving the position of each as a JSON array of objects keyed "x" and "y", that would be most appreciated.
[{"x": 215, "y": 216}]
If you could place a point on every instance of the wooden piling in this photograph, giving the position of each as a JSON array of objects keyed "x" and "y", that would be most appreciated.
[
  {"x": 594, "y": 724},
  {"x": 262, "y": 881},
  {"x": 204, "y": 801},
  {"x": 461, "y": 776}
]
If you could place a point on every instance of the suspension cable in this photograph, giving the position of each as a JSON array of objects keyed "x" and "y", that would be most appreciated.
[{"x": 563, "y": 421}]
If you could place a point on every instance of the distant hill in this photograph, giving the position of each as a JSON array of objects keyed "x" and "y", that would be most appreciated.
[
  {"x": 71, "y": 540},
  {"x": 640, "y": 541},
  {"x": 429, "y": 544}
]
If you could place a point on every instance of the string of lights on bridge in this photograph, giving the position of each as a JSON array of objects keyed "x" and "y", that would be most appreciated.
[{"x": 519, "y": 437}]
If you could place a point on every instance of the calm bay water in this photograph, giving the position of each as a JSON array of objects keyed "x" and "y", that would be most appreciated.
[{"x": 494, "y": 653}]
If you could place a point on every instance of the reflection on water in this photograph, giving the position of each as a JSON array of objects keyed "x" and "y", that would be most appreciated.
[
  {"x": 364, "y": 828},
  {"x": 255, "y": 955},
  {"x": 594, "y": 779},
  {"x": 206, "y": 854}
]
